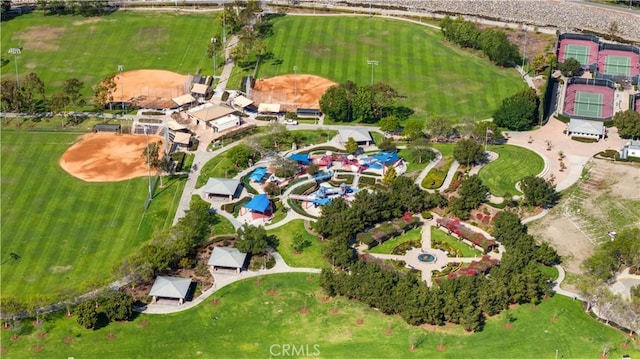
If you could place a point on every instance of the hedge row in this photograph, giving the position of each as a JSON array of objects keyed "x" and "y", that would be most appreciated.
[{"x": 385, "y": 231}]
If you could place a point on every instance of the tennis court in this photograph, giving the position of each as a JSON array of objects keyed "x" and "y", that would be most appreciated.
[
  {"x": 617, "y": 65},
  {"x": 588, "y": 104},
  {"x": 578, "y": 52}
]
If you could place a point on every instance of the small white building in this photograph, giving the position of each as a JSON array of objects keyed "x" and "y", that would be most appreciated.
[
  {"x": 586, "y": 128},
  {"x": 227, "y": 258},
  {"x": 224, "y": 123},
  {"x": 360, "y": 135},
  {"x": 630, "y": 149}
]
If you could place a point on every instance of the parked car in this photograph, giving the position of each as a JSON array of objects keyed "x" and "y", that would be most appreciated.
[{"x": 290, "y": 122}]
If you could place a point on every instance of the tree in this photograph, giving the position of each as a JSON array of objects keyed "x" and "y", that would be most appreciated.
[
  {"x": 387, "y": 145},
  {"x": 538, "y": 192},
  {"x": 313, "y": 169},
  {"x": 363, "y": 105},
  {"x": 384, "y": 97},
  {"x": 33, "y": 85},
  {"x": 570, "y": 67},
  {"x": 335, "y": 104},
  {"x": 390, "y": 176},
  {"x": 87, "y": 314},
  {"x": 285, "y": 167},
  {"x": 272, "y": 189},
  {"x": 496, "y": 45},
  {"x": 72, "y": 88},
  {"x": 351, "y": 146},
  {"x": 628, "y": 123},
  {"x": 421, "y": 151},
  {"x": 439, "y": 128},
  {"x": 538, "y": 63},
  {"x": 59, "y": 101},
  {"x": 119, "y": 306},
  {"x": 104, "y": 93},
  {"x": 254, "y": 240},
  {"x": 486, "y": 130},
  {"x": 413, "y": 130},
  {"x": 518, "y": 112},
  {"x": 12, "y": 96},
  {"x": 468, "y": 151},
  {"x": 472, "y": 193},
  {"x": 389, "y": 124},
  {"x": 151, "y": 154},
  {"x": 300, "y": 242},
  {"x": 240, "y": 155}
]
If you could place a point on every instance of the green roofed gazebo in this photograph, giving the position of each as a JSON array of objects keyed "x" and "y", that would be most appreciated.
[
  {"x": 170, "y": 287},
  {"x": 224, "y": 257}
]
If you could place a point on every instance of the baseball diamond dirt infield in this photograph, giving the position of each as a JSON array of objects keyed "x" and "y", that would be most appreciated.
[
  {"x": 107, "y": 157},
  {"x": 291, "y": 91},
  {"x": 150, "y": 88}
]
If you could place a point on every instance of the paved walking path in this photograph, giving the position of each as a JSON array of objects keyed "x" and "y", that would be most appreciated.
[{"x": 222, "y": 280}]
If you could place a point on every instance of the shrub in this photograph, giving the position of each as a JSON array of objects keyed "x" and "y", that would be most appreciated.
[
  {"x": 266, "y": 118},
  {"x": 585, "y": 139}
]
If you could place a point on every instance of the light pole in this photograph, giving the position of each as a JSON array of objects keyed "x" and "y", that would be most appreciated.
[
  {"x": 372, "y": 63},
  {"x": 121, "y": 69},
  {"x": 213, "y": 55},
  {"x": 15, "y": 52},
  {"x": 295, "y": 87},
  {"x": 146, "y": 134}
]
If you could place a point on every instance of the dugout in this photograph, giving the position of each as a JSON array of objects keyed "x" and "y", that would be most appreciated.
[
  {"x": 117, "y": 129},
  {"x": 308, "y": 113}
]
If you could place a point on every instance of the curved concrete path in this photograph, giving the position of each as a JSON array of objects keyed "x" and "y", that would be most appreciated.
[{"x": 222, "y": 280}]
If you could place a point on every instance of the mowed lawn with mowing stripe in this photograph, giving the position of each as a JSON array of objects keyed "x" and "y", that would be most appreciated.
[
  {"x": 436, "y": 77},
  {"x": 513, "y": 164},
  {"x": 58, "y": 48},
  {"x": 69, "y": 234},
  {"x": 255, "y": 321}
]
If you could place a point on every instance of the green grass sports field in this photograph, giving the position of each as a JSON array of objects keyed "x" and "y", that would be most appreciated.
[
  {"x": 61, "y": 47},
  {"x": 437, "y": 78},
  {"x": 270, "y": 316},
  {"x": 513, "y": 164},
  {"x": 69, "y": 234}
]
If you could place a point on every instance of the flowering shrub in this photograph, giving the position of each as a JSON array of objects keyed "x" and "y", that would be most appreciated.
[
  {"x": 478, "y": 267},
  {"x": 454, "y": 226}
]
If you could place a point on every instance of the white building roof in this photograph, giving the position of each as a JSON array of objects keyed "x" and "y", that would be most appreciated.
[
  {"x": 170, "y": 287},
  {"x": 221, "y": 186},
  {"x": 587, "y": 127},
  {"x": 200, "y": 89},
  {"x": 242, "y": 101},
  {"x": 183, "y": 100},
  {"x": 208, "y": 111},
  {"x": 358, "y": 134},
  {"x": 225, "y": 122},
  {"x": 269, "y": 108},
  {"x": 182, "y": 138},
  {"x": 227, "y": 257},
  {"x": 174, "y": 125}
]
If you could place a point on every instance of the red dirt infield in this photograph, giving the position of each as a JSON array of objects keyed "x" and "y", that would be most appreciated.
[
  {"x": 107, "y": 157},
  {"x": 303, "y": 91},
  {"x": 149, "y": 88}
]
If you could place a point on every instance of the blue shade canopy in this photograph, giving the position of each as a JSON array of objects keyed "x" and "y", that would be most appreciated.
[{"x": 258, "y": 203}]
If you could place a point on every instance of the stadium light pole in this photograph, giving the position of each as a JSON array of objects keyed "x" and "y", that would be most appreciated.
[
  {"x": 15, "y": 52},
  {"x": 146, "y": 134},
  {"x": 213, "y": 55},
  {"x": 295, "y": 87},
  {"x": 372, "y": 63},
  {"x": 121, "y": 69}
]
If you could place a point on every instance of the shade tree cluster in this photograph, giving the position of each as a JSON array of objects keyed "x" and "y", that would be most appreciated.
[
  {"x": 116, "y": 306},
  {"x": 78, "y": 7},
  {"x": 518, "y": 112},
  {"x": 367, "y": 104},
  {"x": 165, "y": 249},
  {"x": 628, "y": 124},
  {"x": 465, "y": 300},
  {"x": 493, "y": 42},
  {"x": 340, "y": 223}
]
